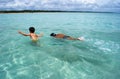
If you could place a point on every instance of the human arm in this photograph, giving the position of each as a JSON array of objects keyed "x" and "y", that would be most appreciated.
[
  {"x": 24, "y": 34},
  {"x": 40, "y": 35}
]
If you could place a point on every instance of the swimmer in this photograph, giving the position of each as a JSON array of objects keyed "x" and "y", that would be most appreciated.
[
  {"x": 34, "y": 37},
  {"x": 65, "y": 37}
]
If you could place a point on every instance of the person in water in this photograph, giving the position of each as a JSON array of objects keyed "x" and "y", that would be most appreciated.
[
  {"x": 34, "y": 37},
  {"x": 65, "y": 37}
]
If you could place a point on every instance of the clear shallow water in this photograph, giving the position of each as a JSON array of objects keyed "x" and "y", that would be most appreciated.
[{"x": 98, "y": 57}]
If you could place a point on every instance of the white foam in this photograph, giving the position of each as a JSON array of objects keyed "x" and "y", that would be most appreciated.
[
  {"x": 107, "y": 46},
  {"x": 81, "y": 38}
]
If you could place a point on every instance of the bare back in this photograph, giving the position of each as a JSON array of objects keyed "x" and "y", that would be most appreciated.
[
  {"x": 59, "y": 35},
  {"x": 33, "y": 36}
]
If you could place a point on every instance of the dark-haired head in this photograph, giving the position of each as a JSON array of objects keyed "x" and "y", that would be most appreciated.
[
  {"x": 52, "y": 34},
  {"x": 32, "y": 29}
]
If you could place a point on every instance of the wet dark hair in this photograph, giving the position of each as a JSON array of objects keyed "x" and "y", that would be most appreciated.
[
  {"x": 32, "y": 29},
  {"x": 52, "y": 34}
]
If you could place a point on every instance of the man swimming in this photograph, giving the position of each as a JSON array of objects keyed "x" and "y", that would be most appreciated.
[
  {"x": 65, "y": 37},
  {"x": 32, "y": 35}
]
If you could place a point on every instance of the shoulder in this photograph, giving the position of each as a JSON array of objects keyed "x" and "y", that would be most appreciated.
[{"x": 61, "y": 34}]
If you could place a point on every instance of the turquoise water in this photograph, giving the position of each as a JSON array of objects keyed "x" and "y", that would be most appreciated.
[{"x": 98, "y": 57}]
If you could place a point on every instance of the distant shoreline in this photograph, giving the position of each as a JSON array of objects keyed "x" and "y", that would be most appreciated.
[{"x": 49, "y": 11}]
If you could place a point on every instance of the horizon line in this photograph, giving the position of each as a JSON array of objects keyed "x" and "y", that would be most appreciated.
[{"x": 35, "y": 11}]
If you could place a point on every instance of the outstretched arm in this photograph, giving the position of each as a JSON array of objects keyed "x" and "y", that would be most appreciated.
[
  {"x": 40, "y": 35},
  {"x": 23, "y": 33}
]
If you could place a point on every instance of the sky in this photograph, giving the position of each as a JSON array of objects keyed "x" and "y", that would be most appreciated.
[{"x": 65, "y": 5}]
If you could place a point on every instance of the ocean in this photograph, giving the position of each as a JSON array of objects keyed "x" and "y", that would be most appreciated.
[{"x": 97, "y": 57}]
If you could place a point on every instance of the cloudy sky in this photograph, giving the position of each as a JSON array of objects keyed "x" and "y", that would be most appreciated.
[{"x": 70, "y": 5}]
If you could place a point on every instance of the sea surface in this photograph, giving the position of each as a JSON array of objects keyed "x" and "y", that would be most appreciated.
[{"x": 97, "y": 57}]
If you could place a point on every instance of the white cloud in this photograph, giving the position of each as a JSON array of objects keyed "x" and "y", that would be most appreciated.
[
  {"x": 88, "y": 1},
  {"x": 60, "y": 4}
]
